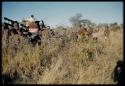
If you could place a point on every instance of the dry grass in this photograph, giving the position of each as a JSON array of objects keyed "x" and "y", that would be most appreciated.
[{"x": 59, "y": 61}]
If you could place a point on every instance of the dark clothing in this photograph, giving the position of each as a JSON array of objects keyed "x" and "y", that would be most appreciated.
[{"x": 118, "y": 73}]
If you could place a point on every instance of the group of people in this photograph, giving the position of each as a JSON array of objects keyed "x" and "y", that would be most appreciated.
[
  {"x": 33, "y": 28},
  {"x": 30, "y": 23}
]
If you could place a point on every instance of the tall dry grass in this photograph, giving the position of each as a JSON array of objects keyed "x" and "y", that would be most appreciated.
[{"x": 61, "y": 61}]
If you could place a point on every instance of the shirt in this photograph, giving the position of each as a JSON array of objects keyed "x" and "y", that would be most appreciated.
[{"x": 32, "y": 19}]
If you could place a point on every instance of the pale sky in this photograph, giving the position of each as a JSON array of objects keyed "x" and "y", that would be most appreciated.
[{"x": 58, "y": 13}]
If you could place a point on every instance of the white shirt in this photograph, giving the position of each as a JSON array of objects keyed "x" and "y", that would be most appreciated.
[{"x": 32, "y": 19}]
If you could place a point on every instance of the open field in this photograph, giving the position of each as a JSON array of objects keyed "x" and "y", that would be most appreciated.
[{"x": 62, "y": 61}]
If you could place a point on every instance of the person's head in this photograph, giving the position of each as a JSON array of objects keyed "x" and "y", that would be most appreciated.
[
  {"x": 32, "y": 16},
  {"x": 119, "y": 63}
]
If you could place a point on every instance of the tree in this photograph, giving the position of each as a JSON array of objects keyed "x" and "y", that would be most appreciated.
[
  {"x": 115, "y": 26},
  {"x": 75, "y": 20}
]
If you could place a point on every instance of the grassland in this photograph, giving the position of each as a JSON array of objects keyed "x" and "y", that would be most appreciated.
[{"x": 62, "y": 61}]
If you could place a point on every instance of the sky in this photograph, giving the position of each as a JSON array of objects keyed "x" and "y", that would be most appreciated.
[{"x": 59, "y": 13}]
